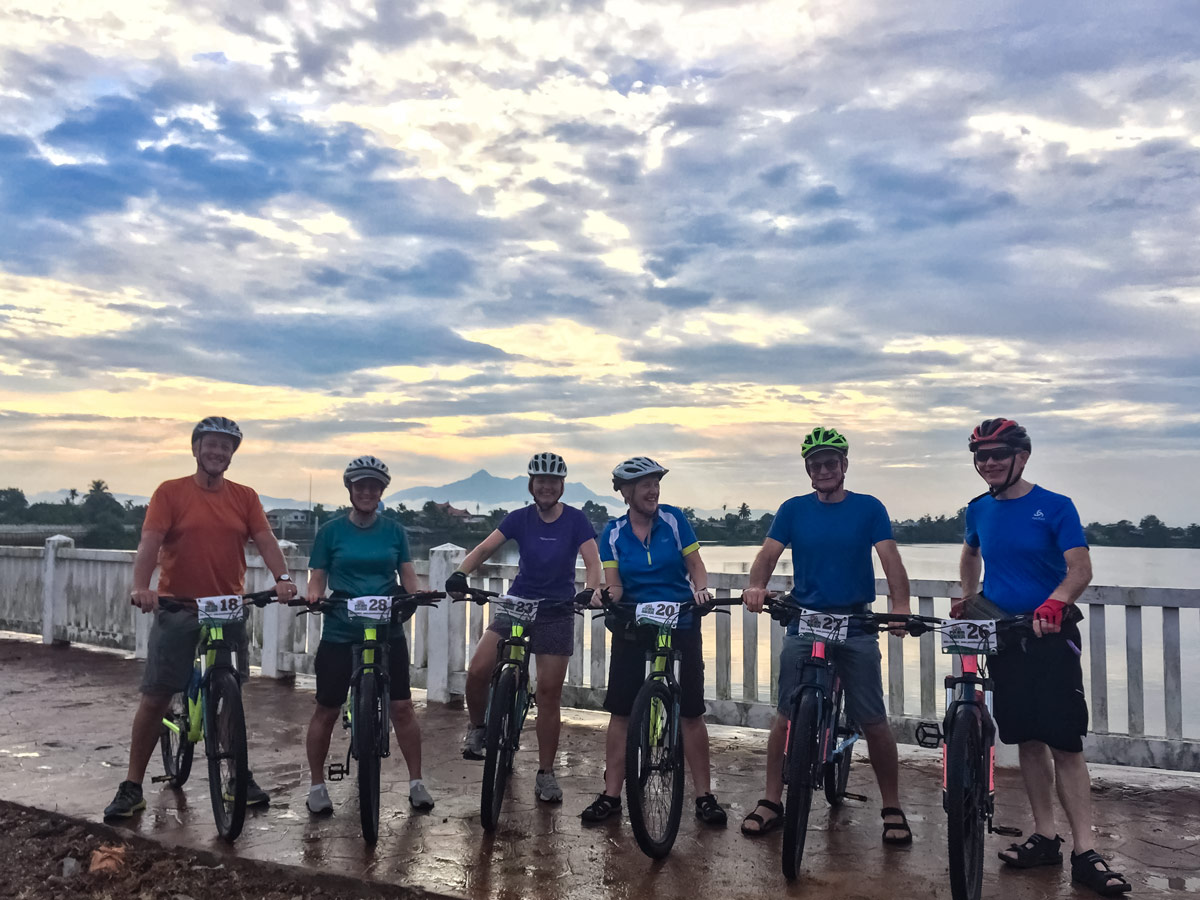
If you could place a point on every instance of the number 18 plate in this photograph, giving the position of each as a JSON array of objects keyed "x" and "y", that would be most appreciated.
[{"x": 223, "y": 608}]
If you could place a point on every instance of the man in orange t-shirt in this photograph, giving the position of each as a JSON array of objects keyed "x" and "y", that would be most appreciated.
[{"x": 196, "y": 528}]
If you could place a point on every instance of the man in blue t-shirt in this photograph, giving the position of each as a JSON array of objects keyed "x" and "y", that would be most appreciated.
[
  {"x": 651, "y": 555},
  {"x": 550, "y": 536},
  {"x": 832, "y": 532},
  {"x": 1037, "y": 561}
]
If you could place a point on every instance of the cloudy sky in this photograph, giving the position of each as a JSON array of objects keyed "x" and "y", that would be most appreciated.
[{"x": 456, "y": 233}]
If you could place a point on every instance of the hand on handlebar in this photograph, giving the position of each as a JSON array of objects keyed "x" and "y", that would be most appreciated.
[
  {"x": 1047, "y": 618},
  {"x": 146, "y": 599},
  {"x": 754, "y": 598},
  {"x": 702, "y": 597},
  {"x": 900, "y": 629}
]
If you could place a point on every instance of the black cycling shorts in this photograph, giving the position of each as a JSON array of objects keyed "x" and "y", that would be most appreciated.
[
  {"x": 627, "y": 671},
  {"x": 1038, "y": 693},
  {"x": 334, "y": 667}
]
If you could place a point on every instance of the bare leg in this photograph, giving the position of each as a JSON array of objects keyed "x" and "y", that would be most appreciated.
[
  {"x": 776, "y": 744},
  {"x": 614, "y": 755},
  {"x": 881, "y": 744},
  {"x": 695, "y": 751},
  {"x": 551, "y": 671},
  {"x": 1037, "y": 771},
  {"x": 408, "y": 735},
  {"x": 316, "y": 742},
  {"x": 147, "y": 727},
  {"x": 479, "y": 674}
]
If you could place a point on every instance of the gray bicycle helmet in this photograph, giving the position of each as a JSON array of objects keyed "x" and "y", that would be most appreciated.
[
  {"x": 548, "y": 464},
  {"x": 218, "y": 425},
  {"x": 366, "y": 467},
  {"x": 634, "y": 468}
]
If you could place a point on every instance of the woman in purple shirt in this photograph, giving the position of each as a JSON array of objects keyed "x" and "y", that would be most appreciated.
[{"x": 550, "y": 536}]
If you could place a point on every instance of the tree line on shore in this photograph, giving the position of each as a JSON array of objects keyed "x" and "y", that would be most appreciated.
[{"x": 115, "y": 525}]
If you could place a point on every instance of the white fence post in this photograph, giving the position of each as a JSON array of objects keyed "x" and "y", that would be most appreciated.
[
  {"x": 54, "y": 594},
  {"x": 443, "y": 561},
  {"x": 277, "y": 622}
]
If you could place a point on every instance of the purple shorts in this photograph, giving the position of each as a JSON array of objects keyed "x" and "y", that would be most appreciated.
[{"x": 551, "y": 634}]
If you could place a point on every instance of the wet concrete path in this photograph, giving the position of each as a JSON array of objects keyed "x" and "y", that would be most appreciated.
[{"x": 64, "y": 735}]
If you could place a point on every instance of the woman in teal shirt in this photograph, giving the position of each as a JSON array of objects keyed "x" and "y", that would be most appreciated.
[{"x": 360, "y": 554}]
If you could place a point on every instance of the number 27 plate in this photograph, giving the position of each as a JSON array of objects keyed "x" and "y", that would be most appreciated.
[
  {"x": 370, "y": 607},
  {"x": 822, "y": 626},
  {"x": 223, "y": 608}
]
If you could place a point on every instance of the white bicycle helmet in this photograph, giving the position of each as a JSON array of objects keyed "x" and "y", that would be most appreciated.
[
  {"x": 218, "y": 425},
  {"x": 366, "y": 467},
  {"x": 634, "y": 468},
  {"x": 548, "y": 464}
]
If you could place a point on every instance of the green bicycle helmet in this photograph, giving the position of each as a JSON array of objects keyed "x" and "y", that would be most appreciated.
[{"x": 824, "y": 439}]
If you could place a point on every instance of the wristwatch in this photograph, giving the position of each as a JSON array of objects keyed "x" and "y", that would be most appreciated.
[{"x": 284, "y": 577}]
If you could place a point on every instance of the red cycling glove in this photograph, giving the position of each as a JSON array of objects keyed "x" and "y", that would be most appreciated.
[{"x": 1051, "y": 611}]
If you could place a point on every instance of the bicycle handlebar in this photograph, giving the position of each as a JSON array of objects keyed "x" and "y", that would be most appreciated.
[
  {"x": 418, "y": 598},
  {"x": 178, "y": 604}
]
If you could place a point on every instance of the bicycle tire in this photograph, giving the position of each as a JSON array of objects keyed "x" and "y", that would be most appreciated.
[
  {"x": 837, "y": 770},
  {"x": 366, "y": 729},
  {"x": 966, "y": 788},
  {"x": 654, "y": 768},
  {"x": 176, "y": 749},
  {"x": 499, "y": 745},
  {"x": 800, "y": 767},
  {"x": 225, "y": 744}
]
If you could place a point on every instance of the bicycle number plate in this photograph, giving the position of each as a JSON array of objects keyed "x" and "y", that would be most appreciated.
[
  {"x": 822, "y": 626},
  {"x": 378, "y": 608},
  {"x": 225, "y": 608},
  {"x": 657, "y": 613},
  {"x": 519, "y": 609},
  {"x": 969, "y": 636}
]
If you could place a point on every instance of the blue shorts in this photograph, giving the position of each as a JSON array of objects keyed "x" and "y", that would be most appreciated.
[{"x": 858, "y": 664}]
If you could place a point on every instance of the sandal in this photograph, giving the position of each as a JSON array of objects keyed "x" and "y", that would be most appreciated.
[
  {"x": 709, "y": 811},
  {"x": 600, "y": 809},
  {"x": 1038, "y": 850},
  {"x": 902, "y": 826},
  {"x": 765, "y": 826},
  {"x": 1084, "y": 872}
]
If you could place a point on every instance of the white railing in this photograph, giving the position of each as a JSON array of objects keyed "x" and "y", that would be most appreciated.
[{"x": 66, "y": 594}]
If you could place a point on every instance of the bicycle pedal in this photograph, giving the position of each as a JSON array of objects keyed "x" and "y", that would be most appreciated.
[
  {"x": 1006, "y": 830},
  {"x": 929, "y": 735},
  {"x": 861, "y": 798},
  {"x": 159, "y": 779},
  {"x": 336, "y": 772}
]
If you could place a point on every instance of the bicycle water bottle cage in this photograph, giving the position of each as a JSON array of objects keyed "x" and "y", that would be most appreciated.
[{"x": 929, "y": 735}]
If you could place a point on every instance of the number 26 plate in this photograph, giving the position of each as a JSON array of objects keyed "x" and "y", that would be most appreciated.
[
  {"x": 657, "y": 613},
  {"x": 969, "y": 636},
  {"x": 370, "y": 607},
  {"x": 223, "y": 608}
]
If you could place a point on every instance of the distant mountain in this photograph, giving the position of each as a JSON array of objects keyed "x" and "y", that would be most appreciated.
[{"x": 488, "y": 492}]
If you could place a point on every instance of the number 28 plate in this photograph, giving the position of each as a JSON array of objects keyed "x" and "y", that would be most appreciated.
[
  {"x": 223, "y": 608},
  {"x": 969, "y": 636},
  {"x": 374, "y": 607},
  {"x": 657, "y": 613}
]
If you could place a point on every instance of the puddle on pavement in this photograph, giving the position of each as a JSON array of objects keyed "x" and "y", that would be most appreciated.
[{"x": 1173, "y": 883}]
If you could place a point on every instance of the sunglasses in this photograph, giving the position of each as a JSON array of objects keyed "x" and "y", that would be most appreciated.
[
  {"x": 833, "y": 464},
  {"x": 1000, "y": 453}
]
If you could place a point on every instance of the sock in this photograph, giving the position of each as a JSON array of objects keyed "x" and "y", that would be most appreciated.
[{"x": 415, "y": 782}]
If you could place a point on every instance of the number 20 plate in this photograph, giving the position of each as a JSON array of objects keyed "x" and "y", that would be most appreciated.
[
  {"x": 223, "y": 608},
  {"x": 657, "y": 613},
  {"x": 370, "y": 607},
  {"x": 969, "y": 636}
]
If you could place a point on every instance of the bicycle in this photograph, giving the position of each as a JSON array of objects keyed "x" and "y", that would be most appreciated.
[
  {"x": 820, "y": 740},
  {"x": 509, "y": 699},
  {"x": 366, "y": 711},
  {"x": 211, "y": 709},
  {"x": 654, "y": 742},
  {"x": 968, "y": 738}
]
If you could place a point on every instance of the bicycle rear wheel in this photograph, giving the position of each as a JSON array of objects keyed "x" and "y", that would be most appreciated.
[
  {"x": 966, "y": 787},
  {"x": 800, "y": 769},
  {"x": 368, "y": 716},
  {"x": 654, "y": 769},
  {"x": 837, "y": 770},
  {"x": 225, "y": 743},
  {"x": 503, "y": 730},
  {"x": 176, "y": 748}
]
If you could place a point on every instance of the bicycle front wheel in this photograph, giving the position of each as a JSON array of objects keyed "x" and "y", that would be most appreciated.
[
  {"x": 654, "y": 769},
  {"x": 368, "y": 721},
  {"x": 837, "y": 770},
  {"x": 800, "y": 769},
  {"x": 966, "y": 785},
  {"x": 503, "y": 728},
  {"x": 225, "y": 743},
  {"x": 176, "y": 747}
]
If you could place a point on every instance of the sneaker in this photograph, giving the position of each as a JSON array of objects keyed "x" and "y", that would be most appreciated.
[
  {"x": 473, "y": 744},
  {"x": 318, "y": 801},
  {"x": 255, "y": 796},
  {"x": 419, "y": 797},
  {"x": 129, "y": 800},
  {"x": 546, "y": 788}
]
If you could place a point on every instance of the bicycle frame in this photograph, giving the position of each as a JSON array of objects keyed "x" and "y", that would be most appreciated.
[
  {"x": 372, "y": 661},
  {"x": 975, "y": 688},
  {"x": 819, "y": 674},
  {"x": 512, "y": 650}
]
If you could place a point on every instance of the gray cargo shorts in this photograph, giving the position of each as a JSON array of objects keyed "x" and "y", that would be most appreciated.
[{"x": 172, "y": 651}]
